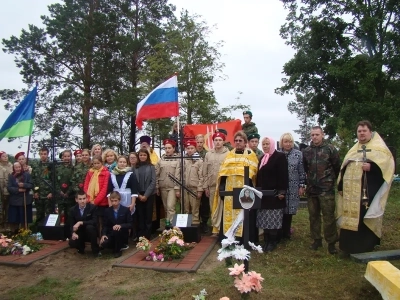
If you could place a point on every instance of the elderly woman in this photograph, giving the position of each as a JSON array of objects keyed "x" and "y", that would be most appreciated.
[
  {"x": 21, "y": 158},
  {"x": 231, "y": 175},
  {"x": 272, "y": 175},
  {"x": 20, "y": 206},
  {"x": 297, "y": 179}
]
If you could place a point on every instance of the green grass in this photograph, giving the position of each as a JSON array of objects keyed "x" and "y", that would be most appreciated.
[{"x": 48, "y": 287}]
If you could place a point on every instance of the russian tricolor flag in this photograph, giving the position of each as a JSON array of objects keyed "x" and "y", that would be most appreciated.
[{"x": 162, "y": 102}]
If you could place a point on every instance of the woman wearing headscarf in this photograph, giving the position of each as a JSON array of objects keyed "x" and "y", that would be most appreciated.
[
  {"x": 297, "y": 179},
  {"x": 272, "y": 175},
  {"x": 20, "y": 207}
]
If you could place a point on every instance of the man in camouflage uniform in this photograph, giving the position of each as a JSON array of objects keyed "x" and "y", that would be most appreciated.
[
  {"x": 200, "y": 145},
  {"x": 253, "y": 141},
  {"x": 42, "y": 176},
  {"x": 64, "y": 188},
  {"x": 248, "y": 127},
  {"x": 322, "y": 165}
]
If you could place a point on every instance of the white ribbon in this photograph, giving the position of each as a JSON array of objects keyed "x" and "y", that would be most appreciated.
[{"x": 257, "y": 192}]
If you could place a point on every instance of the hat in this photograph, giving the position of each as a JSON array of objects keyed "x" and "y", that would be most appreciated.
[
  {"x": 78, "y": 151},
  {"x": 190, "y": 143},
  {"x": 253, "y": 136},
  {"x": 222, "y": 131},
  {"x": 247, "y": 112},
  {"x": 169, "y": 141},
  {"x": 145, "y": 139},
  {"x": 219, "y": 134},
  {"x": 19, "y": 154},
  {"x": 1, "y": 153}
]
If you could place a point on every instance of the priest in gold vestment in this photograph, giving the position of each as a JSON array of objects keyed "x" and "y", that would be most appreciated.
[
  {"x": 231, "y": 175},
  {"x": 363, "y": 184}
]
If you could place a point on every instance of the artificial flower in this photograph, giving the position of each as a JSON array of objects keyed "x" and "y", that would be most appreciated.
[
  {"x": 241, "y": 253},
  {"x": 256, "y": 248},
  {"x": 242, "y": 285},
  {"x": 236, "y": 270},
  {"x": 228, "y": 241},
  {"x": 224, "y": 298}
]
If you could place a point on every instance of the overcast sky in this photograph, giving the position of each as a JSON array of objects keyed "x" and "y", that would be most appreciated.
[{"x": 253, "y": 52}]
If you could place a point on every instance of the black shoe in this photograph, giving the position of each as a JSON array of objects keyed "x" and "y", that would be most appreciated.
[
  {"x": 124, "y": 247},
  {"x": 332, "y": 248},
  {"x": 271, "y": 246},
  {"x": 205, "y": 228},
  {"x": 118, "y": 254},
  {"x": 317, "y": 244},
  {"x": 81, "y": 251}
]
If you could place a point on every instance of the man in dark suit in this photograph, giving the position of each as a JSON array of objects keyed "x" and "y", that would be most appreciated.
[
  {"x": 83, "y": 220},
  {"x": 117, "y": 221}
]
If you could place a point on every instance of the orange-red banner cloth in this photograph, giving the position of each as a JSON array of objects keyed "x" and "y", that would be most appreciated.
[{"x": 208, "y": 130}]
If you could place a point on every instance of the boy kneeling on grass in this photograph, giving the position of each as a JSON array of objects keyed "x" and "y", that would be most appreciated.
[
  {"x": 83, "y": 221},
  {"x": 117, "y": 221}
]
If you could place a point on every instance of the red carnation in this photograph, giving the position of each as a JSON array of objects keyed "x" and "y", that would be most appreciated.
[
  {"x": 81, "y": 185},
  {"x": 64, "y": 185}
]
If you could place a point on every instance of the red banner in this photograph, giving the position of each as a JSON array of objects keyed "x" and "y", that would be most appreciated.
[{"x": 208, "y": 130}]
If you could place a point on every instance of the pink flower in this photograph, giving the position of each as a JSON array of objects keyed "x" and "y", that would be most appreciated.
[
  {"x": 180, "y": 242},
  {"x": 236, "y": 270},
  {"x": 224, "y": 298},
  {"x": 243, "y": 285},
  {"x": 173, "y": 239},
  {"x": 64, "y": 185},
  {"x": 148, "y": 257}
]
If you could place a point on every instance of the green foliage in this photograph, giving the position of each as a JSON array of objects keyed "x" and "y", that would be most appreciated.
[{"x": 348, "y": 61}]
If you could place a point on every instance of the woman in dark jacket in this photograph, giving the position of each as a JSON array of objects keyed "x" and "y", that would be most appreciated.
[
  {"x": 146, "y": 176},
  {"x": 19, "y": 186},
  {"x": 272, "y": 175}
]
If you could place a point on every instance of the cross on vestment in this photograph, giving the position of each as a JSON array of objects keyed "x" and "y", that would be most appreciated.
[
  {"x": 364, "y": 151},
  {"x": 258, "y": 204}
]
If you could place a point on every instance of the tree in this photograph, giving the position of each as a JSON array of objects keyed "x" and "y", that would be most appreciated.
[
  {"x": 347, "y": 57},
  {"x": 87, "y": 58}
]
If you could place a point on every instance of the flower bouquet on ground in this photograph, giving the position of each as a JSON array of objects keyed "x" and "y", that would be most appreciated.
[
  {"x": 22, "y": 243},
  {"x": 143, "y": 244},
  {"x": 172, "y": 245}
]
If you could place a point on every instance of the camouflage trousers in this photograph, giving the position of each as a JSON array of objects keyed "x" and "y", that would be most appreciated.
[
  {"x": 43, "y": 207},
  {"x": 326, "y": 205}
]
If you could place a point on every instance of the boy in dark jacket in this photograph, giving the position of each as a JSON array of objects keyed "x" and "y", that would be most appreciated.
[{"x": 117, "y": 221}]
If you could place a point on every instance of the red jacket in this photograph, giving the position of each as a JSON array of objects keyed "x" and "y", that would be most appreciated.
[{"x": 101, "y": 198}]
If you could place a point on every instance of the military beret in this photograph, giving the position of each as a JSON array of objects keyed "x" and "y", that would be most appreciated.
[
  {"x": 222, "y": 131},
  {"x": 145, "y": 139},
  {"x": 78, "y": 151},
  {"x": 253, "y": 136},
  {"x": 247, "y": 112},
  {"x": 219, "y": 134},
  {"x": 169, "y": 141},
  {"x": 1, "y": 153},
  {"x": 19, "y": 154},
  {"x": 190, "y": 143}
]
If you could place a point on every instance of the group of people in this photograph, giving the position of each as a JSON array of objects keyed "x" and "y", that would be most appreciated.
[{"x": 103, "y": 194}]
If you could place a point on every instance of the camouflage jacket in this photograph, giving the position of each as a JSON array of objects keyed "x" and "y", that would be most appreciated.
[
  {"x": 249, "y": 128},
  {"x": 322, "y": 166},
  {"x": 202, "y": 153},
  {"x": 64, "y": 176},
  {"x": 42, "y": 176},
  {"x": 78, "y": 180},
  {"x": 228, "y": 145},
  {"x": 259, "y": 153}
]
